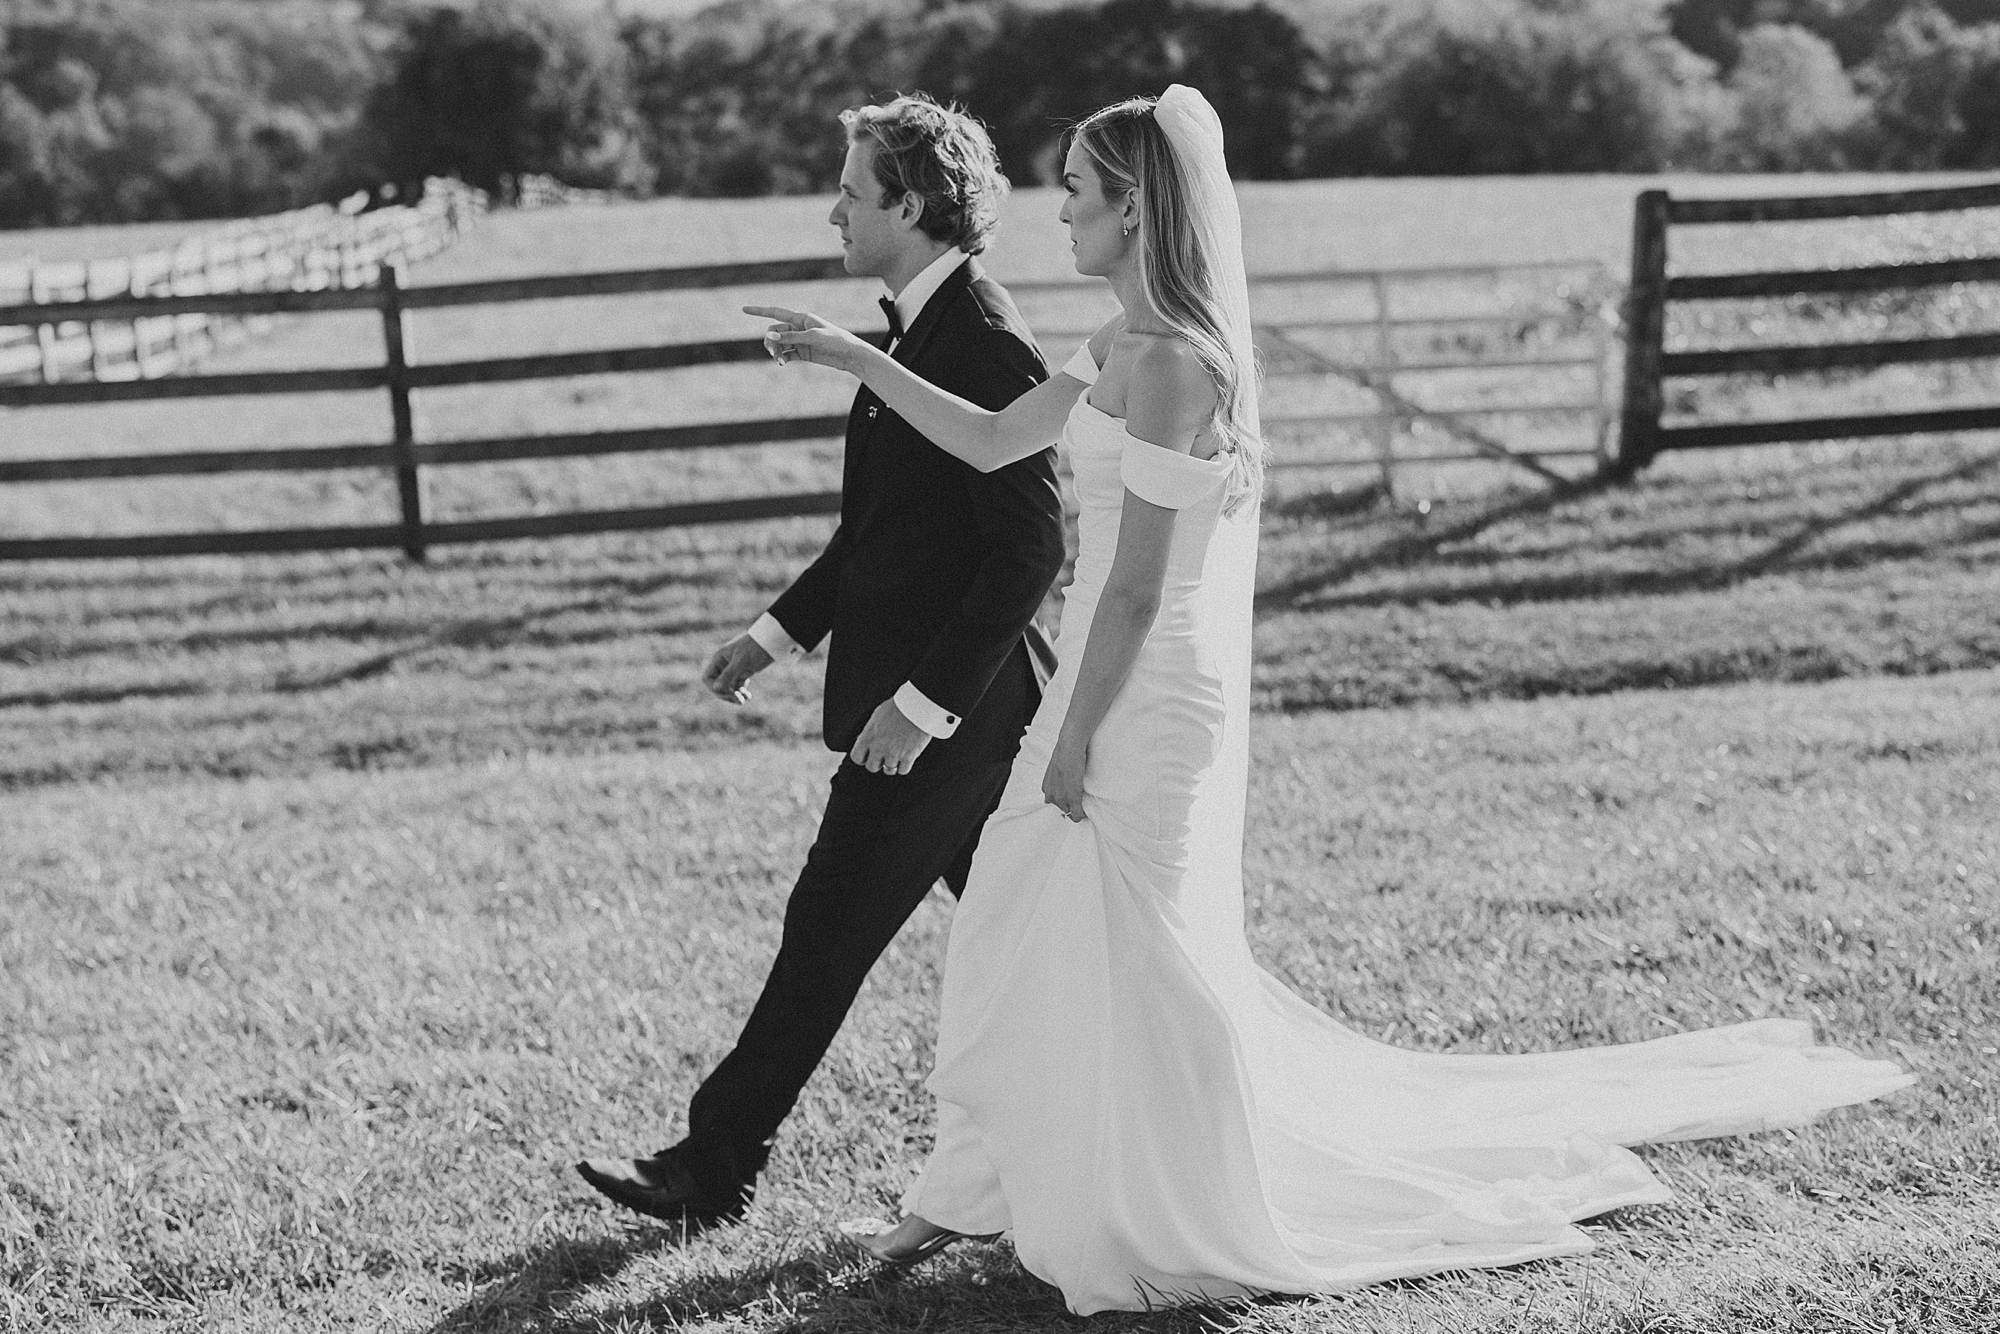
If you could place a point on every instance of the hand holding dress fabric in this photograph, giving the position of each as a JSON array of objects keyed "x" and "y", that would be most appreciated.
[{"x": 1062, "y": 781}]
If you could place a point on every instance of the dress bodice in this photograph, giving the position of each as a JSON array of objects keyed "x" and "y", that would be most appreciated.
[{"x": 1106, "y": 461}]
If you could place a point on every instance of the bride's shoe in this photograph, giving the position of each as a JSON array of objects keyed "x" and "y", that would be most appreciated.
[{"x": 872, "y": 1235}]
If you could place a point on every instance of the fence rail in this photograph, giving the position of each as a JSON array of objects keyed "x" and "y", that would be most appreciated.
[
  {"x": 405, "y": 456},
  {"x": 1647, "y": 362},
  {"x": 147, "y": 315}
]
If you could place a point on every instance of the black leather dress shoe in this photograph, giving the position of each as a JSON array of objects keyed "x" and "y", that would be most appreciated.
[{"x": 660, "y": 1187}]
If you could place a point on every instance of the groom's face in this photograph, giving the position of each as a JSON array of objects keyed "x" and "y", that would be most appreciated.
[{"x": 872, "y": 238}]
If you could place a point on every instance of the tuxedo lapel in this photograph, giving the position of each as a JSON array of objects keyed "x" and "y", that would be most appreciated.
[
  {"x": 932, "y": 314},
  {"x": 863, "y": 417}
]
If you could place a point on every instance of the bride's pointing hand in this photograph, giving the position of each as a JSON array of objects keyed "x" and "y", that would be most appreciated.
[{"x": 799, "y": 336}]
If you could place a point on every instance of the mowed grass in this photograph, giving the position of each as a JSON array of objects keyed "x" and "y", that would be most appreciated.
[
  {"x": 315, "y": 1052},
  {"x": 1784, "y": 564}
]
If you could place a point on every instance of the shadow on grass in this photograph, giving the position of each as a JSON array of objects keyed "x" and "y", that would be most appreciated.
[
  {"x": 1409, "y": 548},
  {"x": 532, "y": 1288},
  {"x": 823, "y": 1293},
  {"x": 545, "y": 1290},
  {"x": 486, "y": 633},
  {"x": 42, "y": 699},
  {"x": 1313, "y": 590},
  {"x": 474, "y": 633},
  {"x": 810, "y": 1292},
  {"x": 495, "y": 631}
]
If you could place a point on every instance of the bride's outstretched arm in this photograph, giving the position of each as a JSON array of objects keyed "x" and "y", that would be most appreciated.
[
  {"x": 985, "y": 439},
  {"x": 1169, "y": 400}
]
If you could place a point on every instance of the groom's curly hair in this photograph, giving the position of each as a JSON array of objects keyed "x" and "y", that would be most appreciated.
[{"x": 942, "y": 155}]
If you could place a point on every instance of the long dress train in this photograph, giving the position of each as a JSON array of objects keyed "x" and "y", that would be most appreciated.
[{"x": 1152, "y": 1115}]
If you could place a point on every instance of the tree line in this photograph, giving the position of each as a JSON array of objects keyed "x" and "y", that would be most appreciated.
[{"x": 125, "y": 110}]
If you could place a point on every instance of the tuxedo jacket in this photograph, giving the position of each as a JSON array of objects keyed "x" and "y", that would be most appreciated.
[{"x": 937, "y": 569}]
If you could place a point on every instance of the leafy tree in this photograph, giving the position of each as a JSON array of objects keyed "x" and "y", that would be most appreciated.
[
  {"x": 1043, "y": 70},
  {"x": 25, "y": 184},
  {"x": 1589, "y": 85},
  {"x": 1795, "y": 106},
  {"x": 503, "y": 89},
  {"x": 743, "y": 102},
  {"x": 154, "y": 110},
  {"x": 1935, "y": 89},
  {"x": 1854, "y": 28}
]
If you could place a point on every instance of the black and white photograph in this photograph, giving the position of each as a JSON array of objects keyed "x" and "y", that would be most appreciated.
[{"x": 1000, "y": 666}]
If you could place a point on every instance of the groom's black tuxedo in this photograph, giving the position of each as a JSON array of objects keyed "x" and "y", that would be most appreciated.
[
  {"x": 937, "y": 569},
  {"x": 933, "y": 578}
]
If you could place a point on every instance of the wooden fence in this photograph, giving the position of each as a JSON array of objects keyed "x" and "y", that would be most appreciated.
[
  {"x": 1408, "y": 355},
  {"x": 1648, "y": 363},
  {"x": 405, "y": 455},
  {"x": 1415, "y": 361},
  {"x": 544, "y": 191},
  {"x": 308, "y": 249}
]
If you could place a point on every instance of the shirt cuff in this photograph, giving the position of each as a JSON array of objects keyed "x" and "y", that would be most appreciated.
[
  {"x": 917, "y": 707},
  {"x": 773, "y": 638}
]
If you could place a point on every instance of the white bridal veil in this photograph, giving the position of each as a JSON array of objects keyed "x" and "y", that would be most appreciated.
[
  {"x": 1195, "y": 133},
  {"x": 1229, "y": 577}
]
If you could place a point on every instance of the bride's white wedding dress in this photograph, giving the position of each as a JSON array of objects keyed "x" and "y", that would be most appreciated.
[{"x": 1152, "y": 1115}]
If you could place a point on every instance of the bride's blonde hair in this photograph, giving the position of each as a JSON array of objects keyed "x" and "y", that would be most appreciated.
[{"x": 1132, "y": 152}]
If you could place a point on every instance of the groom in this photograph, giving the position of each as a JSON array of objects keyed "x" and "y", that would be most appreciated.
[{"x": 929, "y": 587}]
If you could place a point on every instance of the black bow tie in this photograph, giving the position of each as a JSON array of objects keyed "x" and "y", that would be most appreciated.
[{"x": 895, "y": 318}]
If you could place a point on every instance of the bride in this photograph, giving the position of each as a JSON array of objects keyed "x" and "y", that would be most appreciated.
[{"x": 1152, "y": 1115}]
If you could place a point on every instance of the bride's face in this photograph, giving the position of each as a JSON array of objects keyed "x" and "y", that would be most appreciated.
[{"x": 1097, "y": 226}]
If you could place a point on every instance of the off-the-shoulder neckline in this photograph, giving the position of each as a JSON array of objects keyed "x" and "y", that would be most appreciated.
[
  {"x": 1084, "y": 398},
  {"x": 1221, "y": 455}
]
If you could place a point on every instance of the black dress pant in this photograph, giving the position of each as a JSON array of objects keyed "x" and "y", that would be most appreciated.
[{"x": 883, "y": 842}]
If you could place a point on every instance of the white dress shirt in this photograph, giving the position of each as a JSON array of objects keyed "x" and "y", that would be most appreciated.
[
  {"x": 916, "y": 294},
  {"x": 772, "y": 637}
]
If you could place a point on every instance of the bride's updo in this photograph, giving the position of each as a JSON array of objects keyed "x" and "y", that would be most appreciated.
[{"x": 1132, "y": 152}]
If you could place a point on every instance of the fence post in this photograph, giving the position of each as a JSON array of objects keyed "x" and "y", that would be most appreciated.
[
  {"x": 1645, "y": 335},
  {"x": 45, "y": 334},
  {"x": 136, "y": 285},
  {"x": 1385, "y": 404},
  {"x": 409, "y": 487},
  {"x": 1602, "y": 328},
  {"x": 100, "y": 357},
  {"x": 183, "y": 324}
]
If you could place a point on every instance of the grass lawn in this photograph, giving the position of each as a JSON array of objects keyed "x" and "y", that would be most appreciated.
[
  {"x": 314, "y": 1052},
  {"x": 1781, "y": 564}
]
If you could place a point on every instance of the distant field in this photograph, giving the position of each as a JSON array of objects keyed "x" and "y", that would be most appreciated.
[{"x": 1357, "y": 223}]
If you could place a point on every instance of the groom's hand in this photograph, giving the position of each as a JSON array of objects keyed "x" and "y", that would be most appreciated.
[
  {"x": 890, "y": 743},
  {"x": 732, "y": 665}
]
